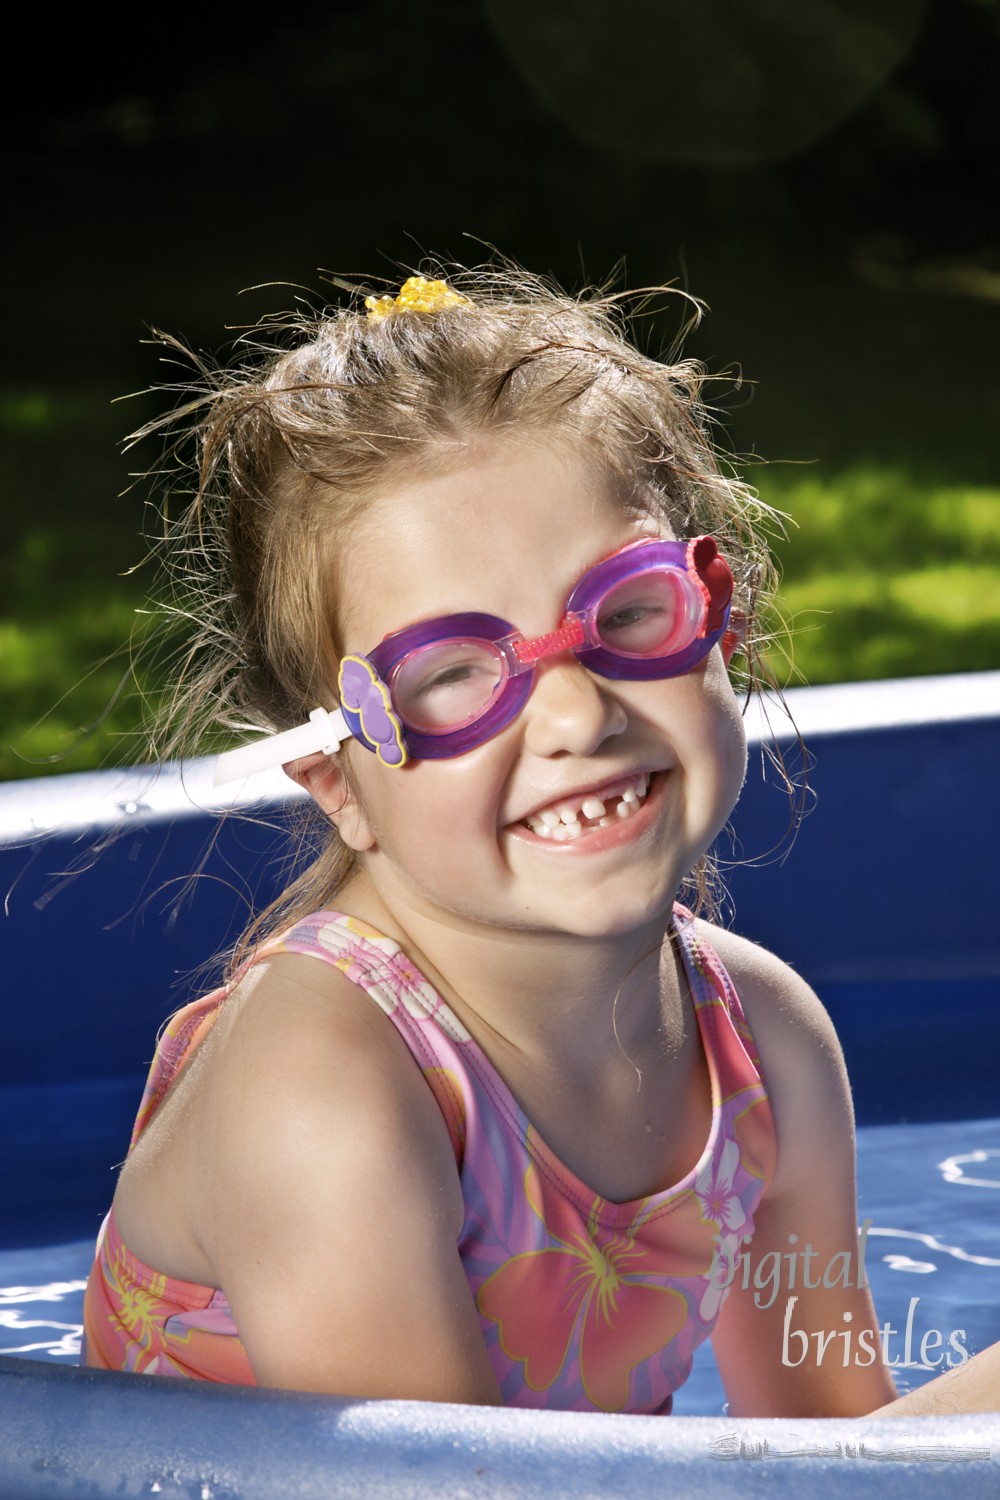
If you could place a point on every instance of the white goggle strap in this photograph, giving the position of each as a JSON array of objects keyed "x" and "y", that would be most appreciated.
[{"x": 323, "y": 735}]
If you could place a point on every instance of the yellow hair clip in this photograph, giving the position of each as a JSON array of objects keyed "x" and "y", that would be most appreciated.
[{"x": 417, "y": 294}]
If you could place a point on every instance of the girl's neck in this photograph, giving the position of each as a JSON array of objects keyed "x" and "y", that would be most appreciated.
[{"x": 548, "y": 997}]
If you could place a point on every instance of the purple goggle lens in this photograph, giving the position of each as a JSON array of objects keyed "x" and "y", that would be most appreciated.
[{"x": 650, "y": 611}]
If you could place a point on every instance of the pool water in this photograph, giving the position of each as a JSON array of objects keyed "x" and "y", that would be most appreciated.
[{"x": 931, "y": 1192}]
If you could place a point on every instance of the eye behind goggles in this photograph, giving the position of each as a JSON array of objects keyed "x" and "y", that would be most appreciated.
[{"x": 437, "y": 689}]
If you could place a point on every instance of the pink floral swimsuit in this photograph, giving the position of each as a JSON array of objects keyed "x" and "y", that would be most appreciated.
[{"x": 584, "y": 1304}]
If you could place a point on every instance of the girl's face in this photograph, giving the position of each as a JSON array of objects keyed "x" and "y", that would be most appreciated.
[{"x": 449, "y": 840}]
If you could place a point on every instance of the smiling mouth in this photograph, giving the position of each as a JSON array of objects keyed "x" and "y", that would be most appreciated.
[{"x": 572, "y": 817}]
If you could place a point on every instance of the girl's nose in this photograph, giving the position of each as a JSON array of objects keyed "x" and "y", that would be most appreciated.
[{"x": 571, "y": 710}]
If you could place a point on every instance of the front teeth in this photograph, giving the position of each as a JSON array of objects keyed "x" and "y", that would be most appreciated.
[{"x": 564, "y": 824}]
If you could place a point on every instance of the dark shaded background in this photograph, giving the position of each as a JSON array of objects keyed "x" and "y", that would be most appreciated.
[
  {"x": 824, "y": 173},
  {"x": 166, "y": 160}
]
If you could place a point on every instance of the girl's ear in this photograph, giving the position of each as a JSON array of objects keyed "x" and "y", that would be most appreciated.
[
  {"x": 324, "y": 780},
  {"x": 734, "y": 638}
]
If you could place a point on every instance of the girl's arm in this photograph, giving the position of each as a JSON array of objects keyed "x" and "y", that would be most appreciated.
[
  {"x": 797, "y": 1336},
  {"x": 331, "y": 1200},
  {"x": 974, "y": 1386},
  {"x": 786, "y": 1348}
]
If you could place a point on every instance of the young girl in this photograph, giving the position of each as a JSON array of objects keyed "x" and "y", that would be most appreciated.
[{"x": 486, "y": 1116}]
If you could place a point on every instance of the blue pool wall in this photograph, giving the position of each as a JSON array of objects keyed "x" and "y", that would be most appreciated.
[{"x": 887, "y": 900}]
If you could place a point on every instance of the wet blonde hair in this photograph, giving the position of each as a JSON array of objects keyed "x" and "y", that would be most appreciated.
[{"x": 320, "y": 413}]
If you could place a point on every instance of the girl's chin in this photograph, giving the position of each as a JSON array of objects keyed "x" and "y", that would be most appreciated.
[{"x": 603, "y": 920}]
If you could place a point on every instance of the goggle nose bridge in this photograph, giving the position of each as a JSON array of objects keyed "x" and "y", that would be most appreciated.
[{"x": 522, "y": 654}]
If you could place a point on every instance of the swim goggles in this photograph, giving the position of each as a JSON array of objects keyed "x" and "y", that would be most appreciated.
[{"x": 654, "y": 609}]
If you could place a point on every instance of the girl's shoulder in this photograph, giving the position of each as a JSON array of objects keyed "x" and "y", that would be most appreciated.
[
  {"x": 778, "y": 1002},
  {"x": 302, "y": 1080},
  {"x": 328, "y": 983},
  {"x": 801, "y": 1058},
  {"x": 307, "y": 1034}
]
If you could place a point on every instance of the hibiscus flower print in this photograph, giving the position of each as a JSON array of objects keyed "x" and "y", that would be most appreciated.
[
  {"x": 720, "y": 1277},
  {"x": 714, "y": 1190},
  {"x": 419, "y": 997},
  {"x": 590, "y": 1296},
  {"x": 137, "y": 1311}
]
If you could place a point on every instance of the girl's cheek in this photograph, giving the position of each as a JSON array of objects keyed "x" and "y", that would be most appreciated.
[{"x": 728, "y": 732}]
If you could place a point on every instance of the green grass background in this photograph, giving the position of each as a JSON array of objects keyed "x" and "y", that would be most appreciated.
[{"x": 887, "y": 572}]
